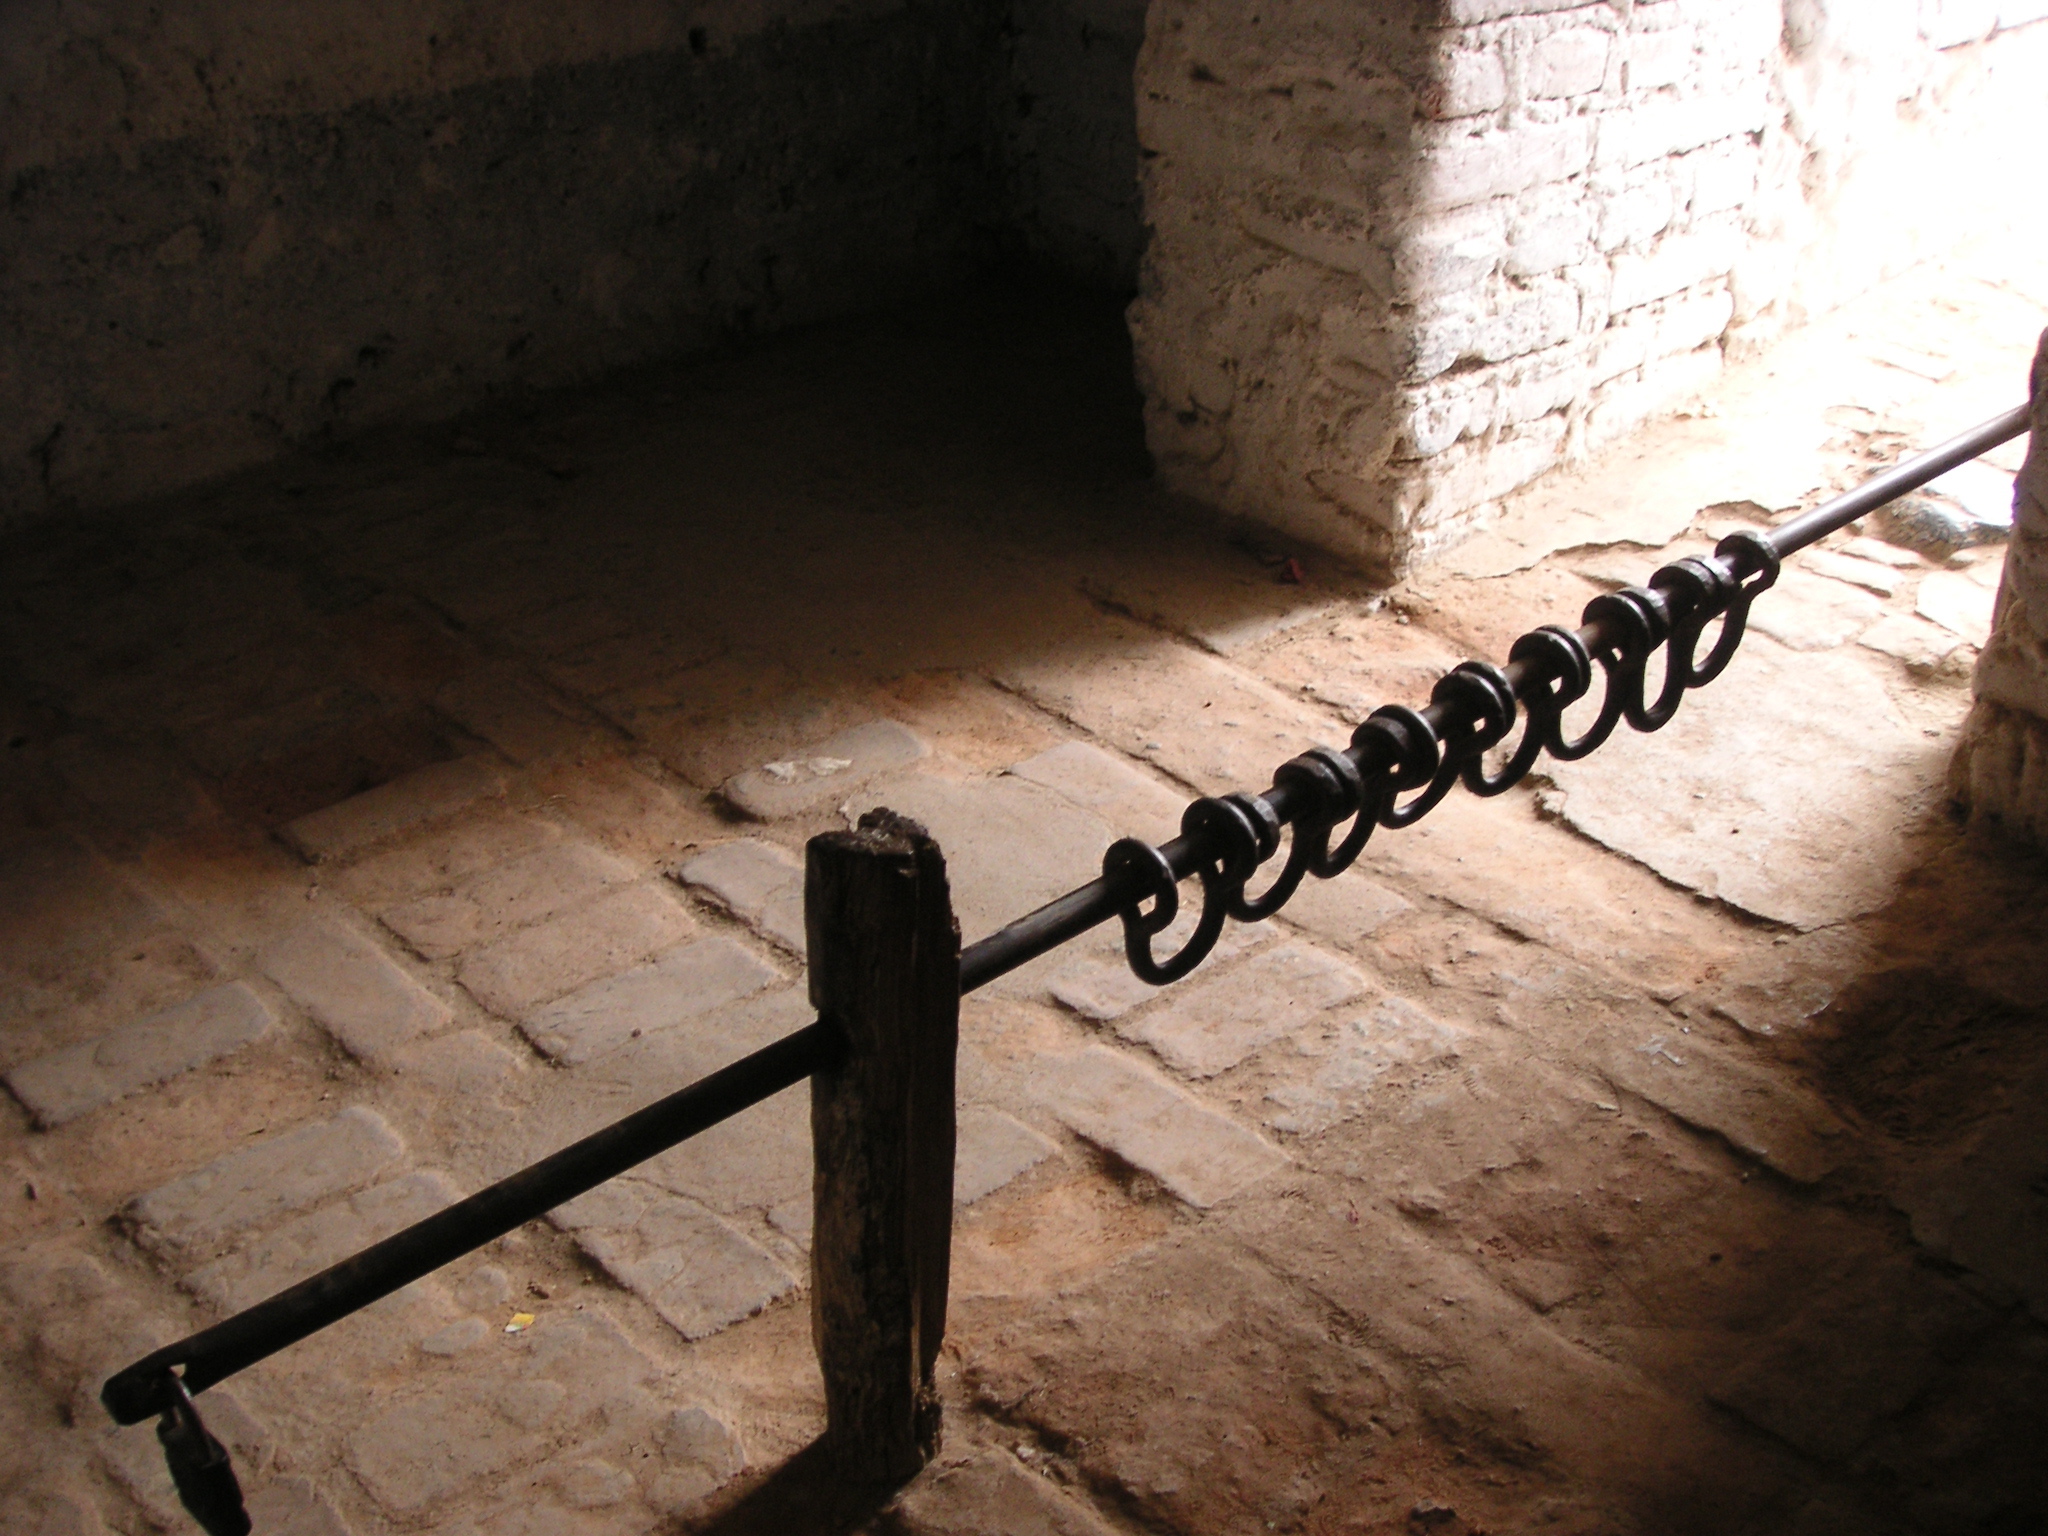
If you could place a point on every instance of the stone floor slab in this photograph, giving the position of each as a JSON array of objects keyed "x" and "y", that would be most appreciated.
[
  {"x": 167, "y": 1044},
  {"x": 992, "y": 1149},
  {"x": 352, "y": 989},
  {"x": 302, "y": 1248},
  {"x": 700, "y": 1274},
  {"x": 1210, "y": 1023},
  {"x": 1125, "y": 1108},
  {"x": 1757, "y": 1112},
  {"x": 1753, "y": 796},
  {"x": 759, "y": 882},
  {"x": 824, "y": 771},
  {"x": 621, "y": 928},
  {"x": 1010, "y": 845},
  {"x": 425, "y": 794},
  {"x": 1957, "y": 603},
  {"x": 513, "y": 896},
  {"x": 1203, "y": 720},
  {"x": 259, "y": 1185},
  {"x": 1910, "y": 639},
  {"x": 1806, "y": 611},
  {"x": 684, "y": 984},
  {"x": 1133, "y": 804}
]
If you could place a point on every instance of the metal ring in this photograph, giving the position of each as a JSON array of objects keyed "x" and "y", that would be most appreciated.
[
  {"x": 1131, "y": 856},
  {"x": 1479, "y": 704},
  {"x": 1404, "y": 752},
  {"x": 1332, "y": 778},
  {"x": 1264, "y": 823},
  {"x": 1692, "y": 594},
  {"x": 1577, "y": 668},
  {"x": 1753, "y": 565},
  {"x": 1644, "y": 619}
]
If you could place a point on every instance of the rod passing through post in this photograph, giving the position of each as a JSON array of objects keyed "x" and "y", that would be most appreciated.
[{"x": 885, "y": 968}]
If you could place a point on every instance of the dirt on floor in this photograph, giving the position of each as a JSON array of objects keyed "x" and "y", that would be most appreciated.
[{"x": 1659, "y": 1146}]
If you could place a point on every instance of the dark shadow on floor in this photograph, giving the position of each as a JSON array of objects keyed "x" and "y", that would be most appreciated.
[{"x": 805, "y": 1494}]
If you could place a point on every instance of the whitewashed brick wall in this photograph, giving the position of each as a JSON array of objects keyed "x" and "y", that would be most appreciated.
[{"x": 1406, "y": 257}]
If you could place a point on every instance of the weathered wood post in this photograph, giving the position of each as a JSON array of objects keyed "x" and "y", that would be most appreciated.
[{"x": 885, "y": 966}]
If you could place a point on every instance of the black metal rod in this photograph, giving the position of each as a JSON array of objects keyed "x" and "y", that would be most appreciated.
[
  {"x": 1071, "y": 915},
  {"x": 1809, "y": 527},
  {"x": 145, "y": 1389}
]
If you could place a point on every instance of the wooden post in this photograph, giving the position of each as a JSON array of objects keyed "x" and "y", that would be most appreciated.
[{"x": 885, "y": 966}]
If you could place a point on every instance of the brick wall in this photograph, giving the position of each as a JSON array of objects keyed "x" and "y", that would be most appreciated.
[
  {"x": 231, "y": 227},
  {"x": 1407, "y": 257},
  {"x": 1070, "y": 136}
]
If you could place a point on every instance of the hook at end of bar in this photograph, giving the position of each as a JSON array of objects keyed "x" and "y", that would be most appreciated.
[
  {"x": 200, "y": 1467},
  {"x": 143, "y": 1390}
]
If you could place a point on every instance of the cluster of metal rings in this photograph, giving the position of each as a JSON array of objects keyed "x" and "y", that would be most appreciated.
[{"x": 1397, "y": 751}]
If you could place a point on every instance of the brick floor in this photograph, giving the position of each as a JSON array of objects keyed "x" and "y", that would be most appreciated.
[{"x": 1653, "y": 1147}]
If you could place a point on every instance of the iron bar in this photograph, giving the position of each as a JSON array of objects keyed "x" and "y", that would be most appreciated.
[
  {"x": 1089, "y": 906},
  {"x": 148, "y": 1387},
  {"x": 1809, "y": 527},
  {"x": 1224, "y": 840}
]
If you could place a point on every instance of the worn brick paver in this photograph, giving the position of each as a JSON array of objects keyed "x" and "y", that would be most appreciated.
[
  {"x": 621, "y": 927},
  {"x": 1104, "y": 987},
  {"x": 382, "y": 813},
  {"x": 1212, "y": 1024},
  {"x": 512, "y": 896},
  {"x": 1099, "y": 781},
  {"x": 1388, "y": 1036},
  {"x": 1126, "y": 1108},
  {"x": 464, "y": 1062},
  {"x": 698, "y": 1272},
  {"x": 353, "y": 990},
  {"x": 457, "y": 851},
  {"x": 172, "y": 1041},
  {"x": 463, "y": 1429},
  {"x": 58, "y": 900},
  {"x": 501, "y": 705},
  {"x": 1010, "y": 844},
  {"x": 992, "y": 1150},
  {"x": 1201, "y": 718},
  {"x": 761, "y": 883},
  {"x": 303, "y": 1247},
  {"x": 993, "y": 1494},
  {"x": 823, "y": 771},
  {"x": 289, "y": 1172},
  {"x": 292, "y": 1506},
  {"x": 686, "y": 982}
]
